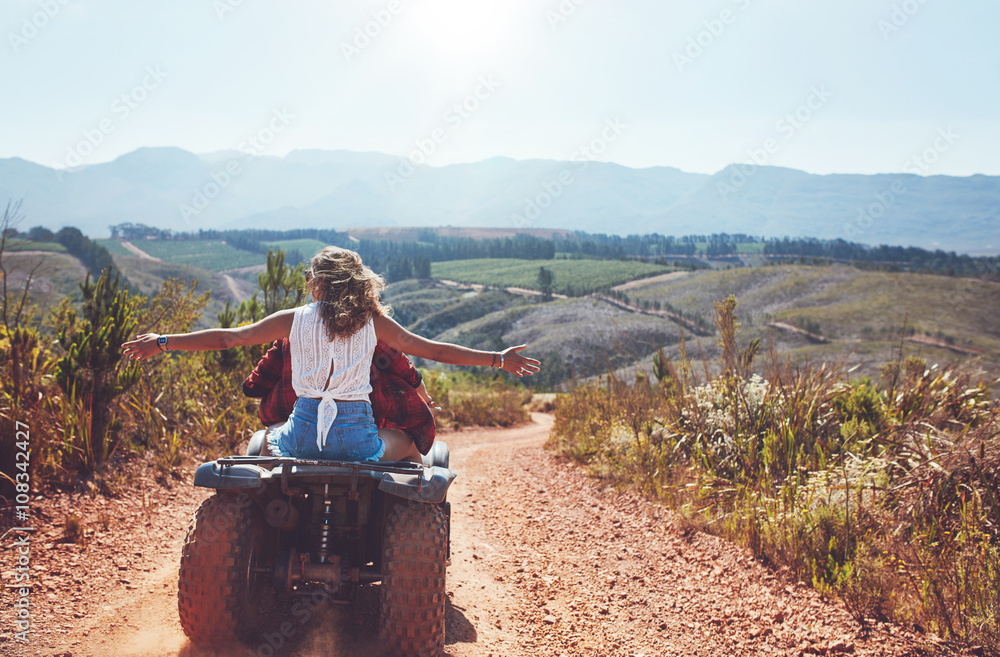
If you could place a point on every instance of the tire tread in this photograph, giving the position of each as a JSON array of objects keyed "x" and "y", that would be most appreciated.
[
  {"x": 210, "y": 587},
  {"x": 415, "y": 551}
]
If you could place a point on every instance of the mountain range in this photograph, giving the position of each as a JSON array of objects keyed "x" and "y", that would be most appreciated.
[{"x": 181, "y": 191}]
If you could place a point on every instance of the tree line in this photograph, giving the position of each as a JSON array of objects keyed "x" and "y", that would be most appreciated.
[
  {"x": 401, "y": 259},
  {"x": 93, "y": 256},
  {"x": 886, "y": 257}
]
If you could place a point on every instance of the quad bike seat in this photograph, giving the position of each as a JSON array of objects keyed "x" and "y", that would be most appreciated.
[{"x": 438, "y": 456}]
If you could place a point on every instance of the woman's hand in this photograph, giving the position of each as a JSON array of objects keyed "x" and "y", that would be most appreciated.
[
  {"x": 517, "y": 364},
  {"x": 142, "y": 347},
  {"x": 422, "y": 392},
  {"x": 397, "y": 337}
]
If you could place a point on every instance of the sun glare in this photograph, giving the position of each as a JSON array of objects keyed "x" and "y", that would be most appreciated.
[{"x": 464, "y": 27}]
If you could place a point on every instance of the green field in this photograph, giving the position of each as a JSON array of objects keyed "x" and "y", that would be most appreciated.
[
  {"x": 750, "y": 247},
  {"x": 213, "y": 255},
  {"x": 114, "y": 247},
  {"x": 571, "y": 276},
  {"x": 307, "y": 247},
  {"x": 742, "y": 248},
  {"x": 27, "y": 245}
]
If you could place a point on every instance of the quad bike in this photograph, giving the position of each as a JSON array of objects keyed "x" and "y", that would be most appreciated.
[{"x": 281, "y": 529}]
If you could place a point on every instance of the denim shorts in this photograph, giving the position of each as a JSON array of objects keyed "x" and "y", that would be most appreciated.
[{"x": 353, "y": 436}]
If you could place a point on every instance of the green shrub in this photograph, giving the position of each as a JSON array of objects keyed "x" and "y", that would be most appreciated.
[{"x": 476, "y": 400}]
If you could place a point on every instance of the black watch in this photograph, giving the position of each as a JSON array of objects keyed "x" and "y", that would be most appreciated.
[{"x": 161, "y": 343}]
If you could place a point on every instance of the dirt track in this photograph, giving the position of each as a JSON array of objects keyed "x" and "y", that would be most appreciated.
[
  {"x": 545, "y": 562},
  {"x": 139, "y": 252},
  {"x": 234, "y": 290}
]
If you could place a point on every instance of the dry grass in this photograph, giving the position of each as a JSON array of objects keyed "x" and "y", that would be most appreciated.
[
  {"x": 883, "y": 493},
  {"x": 469, "y": 400}
]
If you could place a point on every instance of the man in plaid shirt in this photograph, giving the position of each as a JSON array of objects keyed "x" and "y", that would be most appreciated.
[{"x": 399, "y": 399}]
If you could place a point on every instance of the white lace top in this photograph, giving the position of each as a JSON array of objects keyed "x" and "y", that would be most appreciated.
[{"x": 327, "y": 370}]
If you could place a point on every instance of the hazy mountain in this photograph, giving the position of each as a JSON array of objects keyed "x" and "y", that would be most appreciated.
[{"x": 172, "y": 188}]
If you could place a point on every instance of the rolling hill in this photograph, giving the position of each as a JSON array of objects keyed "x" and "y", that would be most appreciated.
[
  {"x": 175, "y": 189},
  {"x": 828, "y": 313},
  {"x": 816, "y": 313}
]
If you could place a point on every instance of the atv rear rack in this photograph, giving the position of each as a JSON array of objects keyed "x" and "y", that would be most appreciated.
[
  {"x": 400, "y": 478},
  {"x": 401, "y": 467}
]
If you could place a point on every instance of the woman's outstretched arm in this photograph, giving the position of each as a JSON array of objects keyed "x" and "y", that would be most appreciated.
[
  {"x": 399, "y": 338},
  {"x": 269, "y": 329}
]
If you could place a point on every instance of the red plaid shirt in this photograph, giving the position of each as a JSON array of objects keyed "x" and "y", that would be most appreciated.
[{"x": 395, "y": 402}]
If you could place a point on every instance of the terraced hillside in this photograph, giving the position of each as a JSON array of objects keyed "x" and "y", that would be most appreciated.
[
  {"x": 59, "y": 275},
  {"x": 575, "y": 337},
  {"x": 843, "y": 312},
  {"x": 843, "y": 303},
  {"x": 148, "y": 276},
  {"x": 834, "y": 313}
]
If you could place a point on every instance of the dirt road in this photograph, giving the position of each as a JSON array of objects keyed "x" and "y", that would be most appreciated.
[
  {"x": 139, "y": 252},
  {"x": 918, "y": 338},
  {"x": 545, "y": 562},
  {"x": 234, "y": 290}
]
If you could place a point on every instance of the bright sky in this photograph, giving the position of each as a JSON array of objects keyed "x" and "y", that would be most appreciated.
[{"x": 828, "y": 86}]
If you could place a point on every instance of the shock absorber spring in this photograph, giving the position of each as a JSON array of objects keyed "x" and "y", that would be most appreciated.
[{"x": 324, "y": 529}]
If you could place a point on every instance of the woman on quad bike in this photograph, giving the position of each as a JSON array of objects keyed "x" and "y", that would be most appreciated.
[{"x": 332, "y": 341}]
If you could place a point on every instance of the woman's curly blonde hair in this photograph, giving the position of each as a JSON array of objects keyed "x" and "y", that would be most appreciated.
[{"x": 349, "y": 293}]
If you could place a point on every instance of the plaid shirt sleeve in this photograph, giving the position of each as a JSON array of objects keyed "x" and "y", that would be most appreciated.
[
  {"x": 266, "y": 375},
  {"x": 395, "y": 402},
  {"x": 388, "y": 360},
  {"x": 271, "y": 380}
]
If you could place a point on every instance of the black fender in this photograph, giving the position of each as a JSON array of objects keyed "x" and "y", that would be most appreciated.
[{"x": 256, "y": 445}]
